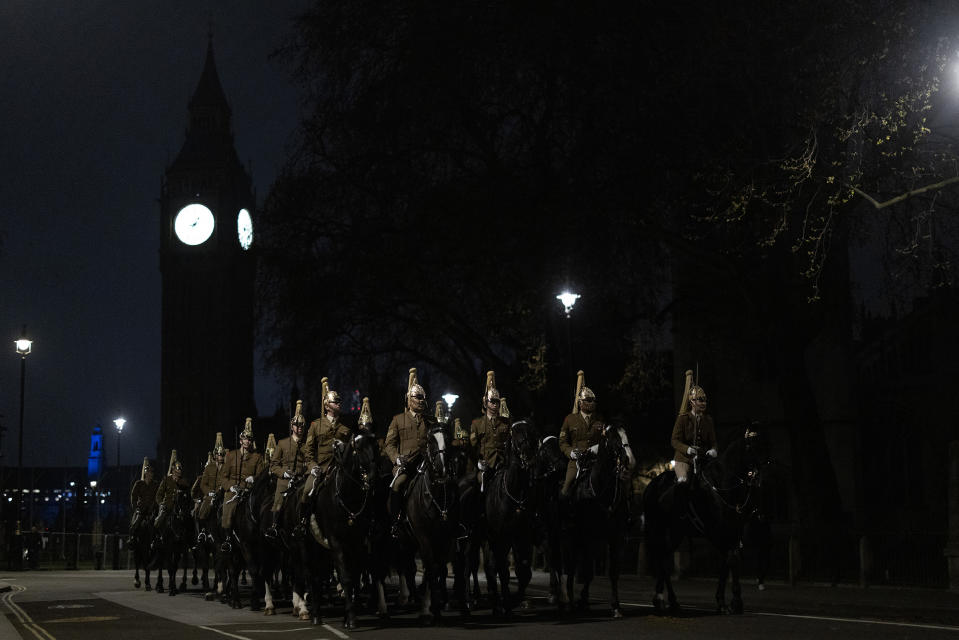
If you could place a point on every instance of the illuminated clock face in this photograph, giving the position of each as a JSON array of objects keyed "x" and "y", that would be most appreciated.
[
  {"x": 244, "y": 228},
  {"x": 194, "y": 224}
]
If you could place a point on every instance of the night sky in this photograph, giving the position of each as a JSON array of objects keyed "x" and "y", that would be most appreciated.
[{"x": 94, "y": 106}]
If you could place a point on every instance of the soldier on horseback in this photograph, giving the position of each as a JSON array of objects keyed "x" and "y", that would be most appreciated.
[
  {"x": 405, "y": 440},
  {"x": 143, "y": 495},
  {"x": 289, "y": 462},
  {"x": 490, "y": 433},
  {"x": 319, "y": 449},
  {"x": 167, "y": 491},
  {"x": 581, "y": 429},
  {"x": 209, "y": 491},
  {"x": 242, "y": 466},
  {"x": 693, "y": 435}
]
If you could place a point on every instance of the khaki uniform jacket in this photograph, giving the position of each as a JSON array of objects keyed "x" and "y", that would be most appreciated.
[
  {"x": 143, "y": 496},
  {"x": 690, "y": 432},
  {"x": 238, "y": 466},
  {"x": 166, "y": 493},
  {"x": 490, "y": 438},
  {"x": 291, "y": 456},
  {"x": 406, "y": 436},
  {"x": 319, "y": 441},
  {"x": 577, "y": 434},
  {"x": 211, "y": 481}
]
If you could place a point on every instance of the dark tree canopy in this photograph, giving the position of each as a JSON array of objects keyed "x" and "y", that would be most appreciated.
[{"x": 459, "y": 163}]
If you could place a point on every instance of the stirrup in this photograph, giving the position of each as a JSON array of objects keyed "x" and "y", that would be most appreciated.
[
  {"x": 226, "y": 547},
  {"x": 299, "y": 531},
  {"x": 272, "y": 533}
]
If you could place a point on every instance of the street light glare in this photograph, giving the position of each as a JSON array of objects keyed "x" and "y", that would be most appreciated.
[
  {"x": 23, "y": 346},
  {"x": 450, "y": 399},
  {"x": 568, "y": 299},
  {"x": 119, "y": 422}
]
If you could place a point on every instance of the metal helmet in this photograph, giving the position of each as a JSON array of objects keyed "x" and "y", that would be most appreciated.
[
  {"x": 365, "y": 420},
  {"x": 697, "y": 393},
  {"x": 209, "y": 459},
  {"x": 298, "y": 418},
  {"x": 247, "y": 429},
  {"x": 413, "y": 387},
  {"x": 458, "y": 432},
  {"x": 270, "y": 447},
  {"x": 328, "y": 394},
  {"x": 174, "y": 463},
  {"x": 491, "y": 393},
  {"x": 218, "y": 448},
  {"x": 442, "y": 412},
  {"x": 147, "y": 466},
  {"x": 582, "y": 391}
]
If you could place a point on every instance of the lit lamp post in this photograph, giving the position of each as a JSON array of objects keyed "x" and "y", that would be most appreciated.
[
  {"x": 568, "y": 299},
  {"x": 451, "y": 398},
  {"x": 24, "y": 346}
]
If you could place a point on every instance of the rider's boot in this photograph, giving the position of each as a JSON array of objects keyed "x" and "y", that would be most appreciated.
[
  {"x": 299, "y": 530},
  {"x": 227, "y": 545}
]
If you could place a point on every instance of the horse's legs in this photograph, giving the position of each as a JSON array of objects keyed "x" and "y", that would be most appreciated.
[
  {"x": 523, "y": 556},
  {"x": 613, "y": 568},
  {"x": 721, "y": 585},
  {"x": 136, "y": 574},
  {"x": 501, "y": 571},
  {"x": 735, "y": 566}
]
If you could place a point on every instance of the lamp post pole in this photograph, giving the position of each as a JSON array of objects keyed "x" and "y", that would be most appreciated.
[
  {"x": 119, "y": 422},
  {"x": 568, "y": 299},
  {"x": 24, "y": 346}
]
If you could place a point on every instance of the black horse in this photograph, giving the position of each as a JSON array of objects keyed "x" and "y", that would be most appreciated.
[
  {"x": 172, "y": 540},
  {"x": 600, "y": 514},
  {"x": 719, "y": 499},
  {"x": 344, "y": 512},
  {"x": 209, "y": 535},
  {"x": 432, "y": 508},
  {"x": 549, "y": 471},
  {"x": 252, "y": 509},
  {"x": 509, "y": 519}
]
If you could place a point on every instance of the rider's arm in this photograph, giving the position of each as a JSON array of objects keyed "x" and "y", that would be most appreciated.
[
  {"x": 679, "y": 434},
  {"x": 277, "y": 463},
  {"x": 392, "y": 443},
  {"x": 565, "y": 437}
]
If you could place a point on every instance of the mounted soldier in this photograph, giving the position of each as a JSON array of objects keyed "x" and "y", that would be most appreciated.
[
  {"x": 581, "y": 430},
  {"x": 319, "y": 448},
  {"x": 693, "y": 433},
  {"x": 210, "y": 487},
  {"x": 242, "y": 466},
  {"x": 167, "y": 491},
  {"x": 288, "y": 464},
  {"x": 405, "y": 440},
  {"x": 489, "y": 434},
  {"x": 143, "y": 495}
]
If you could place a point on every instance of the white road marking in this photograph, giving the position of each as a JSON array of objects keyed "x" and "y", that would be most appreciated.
[{"x": 224, "y": 633}]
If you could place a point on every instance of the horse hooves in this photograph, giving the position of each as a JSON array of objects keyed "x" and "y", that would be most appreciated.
[
  {"x": 269, "y": 611},
  {"x": 209, "y": 596},
  {"x": 136, "y": 585},
  {"x": 617, "y": 613},
  {"x": 526, "y": 605},
  {"x": 173, "y": 592},
  {"x": 551, "y": 599},
  {"x": 349, "y": 623},
  {"x": 304, "y": 615},
  {"x": 761, "y": 586},
  {"x": 427, "y": 620},
  {"x": 317, "y": 621},
  {"x": 159, "y": 588}
]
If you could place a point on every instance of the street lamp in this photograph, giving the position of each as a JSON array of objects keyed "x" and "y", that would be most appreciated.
[
  {"x": 119, "y": 422},
  {"x": 24, "y": 347},
  {"x": 450, "y": 398},
  {"x": 568, "y": 299}
]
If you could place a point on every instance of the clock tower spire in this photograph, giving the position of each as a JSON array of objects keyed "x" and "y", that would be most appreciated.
[{"x": 207, "y": 270}]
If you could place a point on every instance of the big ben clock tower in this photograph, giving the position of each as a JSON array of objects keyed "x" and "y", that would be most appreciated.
[{"x": 207, "y": 270}]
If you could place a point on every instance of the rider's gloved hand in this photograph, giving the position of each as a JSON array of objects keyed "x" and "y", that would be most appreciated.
[
  {"x": 712, "y": 453},
  {"x": 315, "y": 471},
  {"x": 692, "y": 451},
  {"x": 286, "y": 474},
  {"x": 249, "y": 479},
  {"x": 400, "y": 461},
  {"x": 575, "y": 454},
  {"x": 235, "y": 489}
]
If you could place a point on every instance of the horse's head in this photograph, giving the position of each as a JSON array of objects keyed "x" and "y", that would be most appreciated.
[
  {"x": 436, "y": 452},
  {"x": 363, "y": 454},
  {"x": 523, "y": 443},
  {"x": 616, "y": 445},
  {"x": 550, "y": 459}
]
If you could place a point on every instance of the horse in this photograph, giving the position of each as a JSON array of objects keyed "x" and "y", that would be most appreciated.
[
  {"x": 208, "y": 539},
  {"x": 343, "y": 507},
  {"x": 466, "y": 588},
  {"x": 432, "y": 508},
  {"x": 719, "y": 499},
  {"x": 509, "y": 521},
  {"x": 599, "y": 504},
  {"x": 141, "y": 539},
  {"x": 252, "y": 510},
  {"x": 172, "y": 540},
  {"x": 549, "y": 472}
]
